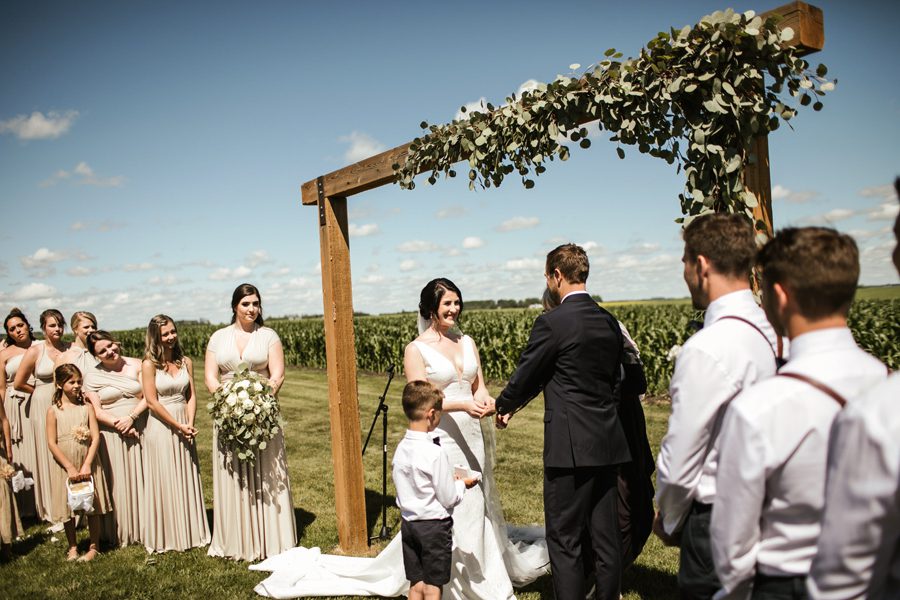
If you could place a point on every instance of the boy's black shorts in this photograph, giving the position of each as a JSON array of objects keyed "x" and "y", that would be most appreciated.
[{"x": 427, "y": 546}]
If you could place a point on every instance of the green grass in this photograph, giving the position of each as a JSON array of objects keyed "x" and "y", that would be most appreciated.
[
  {"x": 39, "y": 570},
  {"x": 878, "y": 292}
]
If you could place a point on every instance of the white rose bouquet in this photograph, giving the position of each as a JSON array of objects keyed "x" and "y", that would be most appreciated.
[{"x": 246, "y": 413}]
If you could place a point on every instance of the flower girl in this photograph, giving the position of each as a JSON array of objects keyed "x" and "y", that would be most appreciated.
[{"x": 74, "y": 440}]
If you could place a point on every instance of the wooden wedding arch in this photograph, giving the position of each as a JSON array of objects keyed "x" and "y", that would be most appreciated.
[{"x": 328, "y": 193}]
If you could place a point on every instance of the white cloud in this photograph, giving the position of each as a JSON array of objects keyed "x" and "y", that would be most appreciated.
[
  {"x": 527, "y": 86},
  {"x": 524, "y": 264},
  {"x": 226, "y": 273},
  {"x": 86, "y": 176},
  {"x": 361, "y": 146},
  {"x": 643, "y": 248},
  {"x": 591, "y": 246},
  {"x": 472, "y": 242},
  {"x": 41, "y": 258},
  {"x": 34, "y": 291},
  {"x": 884, "y": 212},
  {"x": 144, "y": 266},
  {"x": 780, "y": 192},
  {"x": 517, "y": 223},
  {"x": 79, "y": 271},
  {"x": 372, "y": 279},
  {"x": 362, "y": 230},
  {"x": 258, "y": 257},
  {"x": 879, "y": 191},
  {"x": 838, "y": 214},
  {"x": 450, "y": 212},
  {"x": 38, "y": 126},
  {"x": 96, "y": 225},
  {"x": 165, "y": 280},
  {"x": 408, "y": 265},
  {"x": 417, "y": 246}
]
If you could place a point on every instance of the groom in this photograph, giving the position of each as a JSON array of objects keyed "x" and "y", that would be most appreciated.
[{"x": 573, "y": 354}]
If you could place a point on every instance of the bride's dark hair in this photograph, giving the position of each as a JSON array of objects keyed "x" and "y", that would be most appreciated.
[{"x": 431, "y": 295}]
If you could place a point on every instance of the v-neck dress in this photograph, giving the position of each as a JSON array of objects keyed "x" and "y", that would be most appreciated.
[
  {"x": 18, "y": 408},
  {"x": 41, "y": 399},
  {"x": 174, "y": 513},
  {"x": 253, "y": 510}
]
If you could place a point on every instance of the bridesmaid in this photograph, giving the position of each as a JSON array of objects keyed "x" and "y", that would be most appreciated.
[
  {"x": 83, "y": 324},
  {"x": 113, "y": 387},
  {"x": 253, "y": 512},
  {"x": 174, "y": 513},
  {"x": 10, "y": 525},
  {"x": 38, "y": 361},
  {"x": 19, "y": 338}
]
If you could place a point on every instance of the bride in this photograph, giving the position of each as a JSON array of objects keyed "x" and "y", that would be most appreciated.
[{"x": 486, "y": 563}]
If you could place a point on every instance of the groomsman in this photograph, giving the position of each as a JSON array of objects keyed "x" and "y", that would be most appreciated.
[
  {"x": 774, "y": 440},
  {"x": 735, "y": 348},
  {"x": 858, "y": 553},
  {"x": 574, "y": 356}
]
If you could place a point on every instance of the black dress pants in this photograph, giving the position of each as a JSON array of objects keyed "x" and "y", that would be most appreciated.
[
  {"x": 766, "y": 587},
  {"x": 580, "y": 507},
  {"x": 697, "y": 574}
]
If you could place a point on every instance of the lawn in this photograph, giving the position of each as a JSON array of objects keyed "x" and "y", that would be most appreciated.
[{"x": 39, "y": 570}]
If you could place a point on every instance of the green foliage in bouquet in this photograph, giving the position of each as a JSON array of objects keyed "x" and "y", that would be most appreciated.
[
  {"x": 696, "y": 97},
  {"x": 246, "y": 413}
]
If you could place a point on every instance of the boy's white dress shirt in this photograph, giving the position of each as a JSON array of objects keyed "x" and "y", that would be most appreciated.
[
  {"x": 711, "y": 368},
  {"x": 424, "y": 479},
  {"x": 858, "y": 554},
  {"x": 773, "y": 450}
]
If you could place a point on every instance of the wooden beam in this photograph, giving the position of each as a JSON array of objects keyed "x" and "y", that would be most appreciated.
[
  {"x": 808, "y": 24},
  {"x": 376, "y": 171},
  {"x": 757, "y": 179},
  {"x": 340, "y": 356}
]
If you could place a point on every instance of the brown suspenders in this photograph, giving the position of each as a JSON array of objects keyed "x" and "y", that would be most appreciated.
[
  {"x": 779, "y": 358},
  {"x": 818, "y": 385}
]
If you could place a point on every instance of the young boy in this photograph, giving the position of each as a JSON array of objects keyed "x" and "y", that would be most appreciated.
[{"x": 426, "y": 494}]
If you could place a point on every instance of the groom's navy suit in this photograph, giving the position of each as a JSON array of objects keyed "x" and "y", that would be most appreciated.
[{"x": 573, "y": 355}]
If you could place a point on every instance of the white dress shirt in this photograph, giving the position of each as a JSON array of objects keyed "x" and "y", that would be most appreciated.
[
  {"x": 712, "y": 367},
  {"x": 859, "y": 549},
  {"x": 424, "y": 479},
  {"x": 772, "y": 454}
]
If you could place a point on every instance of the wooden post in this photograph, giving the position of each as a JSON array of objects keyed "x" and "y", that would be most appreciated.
[
  {"x": 758, "y": 180},
  {"x": 340, "y": 355}
]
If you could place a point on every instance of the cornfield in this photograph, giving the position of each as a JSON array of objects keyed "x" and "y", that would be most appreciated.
[{"x": 501, "y": 336}]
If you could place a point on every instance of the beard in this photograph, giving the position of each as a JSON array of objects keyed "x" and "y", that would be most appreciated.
[{"x": 553, "y": 296}]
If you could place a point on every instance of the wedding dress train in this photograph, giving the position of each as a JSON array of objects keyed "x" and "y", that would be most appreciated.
[{"x": 489, "y": 558}]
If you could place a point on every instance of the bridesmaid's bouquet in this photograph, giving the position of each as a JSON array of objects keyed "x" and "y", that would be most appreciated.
[{"x": 246, "y": 413}]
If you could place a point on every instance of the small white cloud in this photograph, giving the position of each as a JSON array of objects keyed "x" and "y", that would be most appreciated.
[
  {"x": 258, "y": 257},
  {"x": 884, "y": 212},
  {"x": 643, "y": 248},
  {"x": 86, "y": 177},
  {"x": 79, "y": 271},
  {"x": 226, "y": 273},
  {"x": 450, "y": 212},
  {"x": 144, "y": 266},
  {"x": 408, "y": 265},
  {"x": 517, "y": 223},
  {"x": 780, "y": 192},
  {"x": 38, "y": 126},
  {"x": 591, "y": 246},
  {"x": 362, "y": 230},
  {"x": 361, "y": 146},
  {"x": 527, "y": 86},
  {"x": 166, "y": 280},
  {"x": 838, "y": 214},
  {"x": 34, "y": 291},
  {"x": 78, "y": 226},
  {"x": 41, "y": 258},
  {"x": 879, "y": 191},
  {"x": 373, "y": 278},
  {"x": 472, "y": 242},
  {"x": 524, "y": 264},
  {"x": 417, "y": 246}
]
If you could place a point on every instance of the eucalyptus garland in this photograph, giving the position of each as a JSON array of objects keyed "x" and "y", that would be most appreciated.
[{"x": 695, "y": 97}]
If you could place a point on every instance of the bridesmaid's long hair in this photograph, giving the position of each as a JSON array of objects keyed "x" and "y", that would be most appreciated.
[
  {"x": 153, "y": 347},
  {"x": 242, "y": 291},
  {"x": 61, "y": 375},
  {"x": 16, "y": 314},
  {"x": 52, "y": 313}
]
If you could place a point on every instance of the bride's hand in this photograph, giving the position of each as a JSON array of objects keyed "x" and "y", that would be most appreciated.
[
  {"x": 490, "y": 407},
  {"x": 475, "y": 409}
]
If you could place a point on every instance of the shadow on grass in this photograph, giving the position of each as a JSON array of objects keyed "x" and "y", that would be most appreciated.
[
  {"x": 302, "y": 519},
  {"x": 648, "y": 582},
  {"x": 25, "y": 546},
  {"x": 373, "y": 512}
]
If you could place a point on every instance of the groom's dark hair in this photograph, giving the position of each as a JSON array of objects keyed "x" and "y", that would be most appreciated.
[
  {"x": 572, "y": 262},
  {"x": 419, "y": 397}
]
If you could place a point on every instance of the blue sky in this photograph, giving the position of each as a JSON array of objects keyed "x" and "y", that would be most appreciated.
[{"x": 151, "y": 153}]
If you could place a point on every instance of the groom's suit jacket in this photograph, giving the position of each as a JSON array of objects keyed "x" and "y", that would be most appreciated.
[{"x": 573, "y": 354}]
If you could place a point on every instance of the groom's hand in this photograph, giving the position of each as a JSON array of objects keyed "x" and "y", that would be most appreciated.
[
  {"x": 501, "y": 421},
  {"x": 660, "y": 531}
]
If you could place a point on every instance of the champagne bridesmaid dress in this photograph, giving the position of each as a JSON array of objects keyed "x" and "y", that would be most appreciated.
[{"x": 41, "y": 399}]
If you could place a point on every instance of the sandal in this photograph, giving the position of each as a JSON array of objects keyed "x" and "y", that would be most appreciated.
[
  {"x": 90, "y": 555},
  {"x": 72, "y": 554}
]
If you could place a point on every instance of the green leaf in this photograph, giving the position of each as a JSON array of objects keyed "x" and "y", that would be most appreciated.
[
  {"x": 620, "y": 152},
  {"x": 609, "y": 52},
  {"x": 585, "y": 143},
  {"x": 817, "y": 106},
  {"x": 821, "y": 70}
]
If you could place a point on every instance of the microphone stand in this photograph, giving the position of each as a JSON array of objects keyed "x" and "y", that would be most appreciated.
[{"x": 382, "y": 410}]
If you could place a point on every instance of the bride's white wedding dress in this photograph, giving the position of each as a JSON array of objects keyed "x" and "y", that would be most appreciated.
[{"x": 488, "y": 557}]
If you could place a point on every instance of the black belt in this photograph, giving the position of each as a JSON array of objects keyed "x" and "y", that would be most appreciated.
[{"x": 699, "y": 508}]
